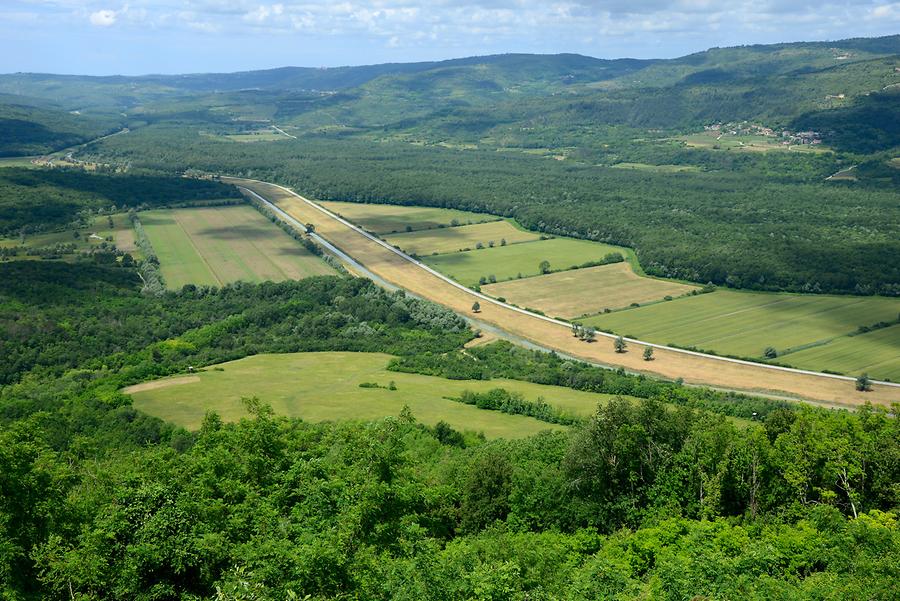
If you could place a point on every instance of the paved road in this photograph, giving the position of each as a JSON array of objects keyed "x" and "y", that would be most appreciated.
[{"x": 885, "y": 392}]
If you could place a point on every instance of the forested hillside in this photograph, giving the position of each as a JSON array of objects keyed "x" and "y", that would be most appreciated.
[
  {"x": 33, "y": 127},
  {"x": 100, "y": 501}
]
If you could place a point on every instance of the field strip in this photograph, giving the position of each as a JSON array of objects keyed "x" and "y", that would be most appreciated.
[
  {"x": 395, "y": 266},
  {"x": 194, "y": 246}
]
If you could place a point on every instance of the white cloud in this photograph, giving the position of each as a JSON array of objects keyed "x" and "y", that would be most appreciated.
[{"x": 103, "y": 18}]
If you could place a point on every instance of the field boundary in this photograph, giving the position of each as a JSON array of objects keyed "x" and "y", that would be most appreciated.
[{"x": 531, "y": 314}]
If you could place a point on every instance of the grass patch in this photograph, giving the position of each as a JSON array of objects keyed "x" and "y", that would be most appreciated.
[
  {"x": 390, "y": 219},
  {"x": 217, "y": 245},
  {"x": 453, "y": 239},
  {"x": 326, "y": 386},
  {"x": 507, "y": 262},
  {"x": 745, "y": 323},
  {"x": 586, "y": 291}
]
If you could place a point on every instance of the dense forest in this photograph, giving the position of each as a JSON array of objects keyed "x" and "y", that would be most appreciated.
[{"x": 663, "y": 498}]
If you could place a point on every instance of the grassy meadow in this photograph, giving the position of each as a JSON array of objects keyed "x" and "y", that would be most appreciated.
[
  {"x": 391, "y": 219},
  {"x": 586, "y": 291},
  {"x": 453, "y": 239},
  {"x": 508, "y": 262},
  {"x": 745, "y": 323},
  {"x": 293, "y": 385},
  {"x": 217, "y": 245}
]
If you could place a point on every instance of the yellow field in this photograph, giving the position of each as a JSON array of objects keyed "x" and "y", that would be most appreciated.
[
  {"x": 586, "y": 291},
  {"x": 467, "y": 237}
]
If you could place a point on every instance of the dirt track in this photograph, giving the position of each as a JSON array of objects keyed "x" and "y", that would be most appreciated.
[{"x": 693, "y": 369}]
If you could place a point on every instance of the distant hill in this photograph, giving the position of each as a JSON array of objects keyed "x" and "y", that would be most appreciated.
[
  {"x": 32, "y": 126},
  {"x": 826, "y": 85}
]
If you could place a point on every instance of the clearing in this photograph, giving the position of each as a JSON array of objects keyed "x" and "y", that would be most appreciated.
[
  {"x": 510, "y": 261},
  {"x": 586, "y": 291},
  {"x": 295, "y": 385},
  {"x": 466, "y": 237},
  {"x": 875, "y": 353},
  {"x": 745, "y": 323},
  {"x": 92, "y": 236},
  {"x": 217, "y": 245},
  {"x": 390, "y": 219}
]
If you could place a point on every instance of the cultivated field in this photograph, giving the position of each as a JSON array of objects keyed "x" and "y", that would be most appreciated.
[
  {"x": 508, "y": 262},
  {"x": 667, "y": 363},
  {"x": 452, "y": 239},
  {"x": 293, "y": 385},
  {"x": 390, "y": 219},
  {"x": 745, "y": 323},
  {"x": 586, "y": 291},
  {"x": 876, "y": 353},
  {"x": 217, "y": 245}
]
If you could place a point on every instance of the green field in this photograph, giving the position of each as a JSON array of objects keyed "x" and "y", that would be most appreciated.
[
  {"x": 390, "y": 219},
  {"x": 217, "y": 245},
  {"x": 875, "y": 353},
  {"x": 296, "y": 384},
  {"x": 586, "y": 291},
  {"x": 745, "y": 323},
  {"x": 453, "y": 239},
  {"x": 507, "y": 262}
]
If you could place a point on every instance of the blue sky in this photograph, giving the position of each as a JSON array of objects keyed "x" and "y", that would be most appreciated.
[{"x": 131, "y": 37}]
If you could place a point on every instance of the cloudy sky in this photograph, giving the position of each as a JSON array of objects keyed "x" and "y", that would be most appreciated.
[{"x": 178, "y": 36}]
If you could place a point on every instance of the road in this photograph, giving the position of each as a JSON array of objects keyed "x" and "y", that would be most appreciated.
[{"x": 394, "y": 267}]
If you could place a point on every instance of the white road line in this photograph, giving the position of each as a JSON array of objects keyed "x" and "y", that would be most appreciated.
[{"x": 544, "y": 317}]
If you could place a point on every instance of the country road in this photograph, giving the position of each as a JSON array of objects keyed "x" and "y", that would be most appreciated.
[{"x": 394, "y": 267}]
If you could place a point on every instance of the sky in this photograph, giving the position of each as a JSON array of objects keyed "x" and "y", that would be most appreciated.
[{"x": 132, "y": 37}]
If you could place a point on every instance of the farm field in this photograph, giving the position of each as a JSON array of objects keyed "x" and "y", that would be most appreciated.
[
  {"x": 293, "y": 385},
  {"x": 507, "y": 262},
  {"x": 217, "y": 245},
  {"x": 453, "y": 239},
  {"x": 586, "y": 291},
  {"x": 875, "y": 353},
  {"x": 745, "y": 323},
  {"x": 389, "y": 219}
]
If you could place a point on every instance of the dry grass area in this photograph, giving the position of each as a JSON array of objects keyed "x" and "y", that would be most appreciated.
[
  {"x": 669, "y": 364},
  {"x": 586, "y": 291},
  {"x": 466, "y": 237}
]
